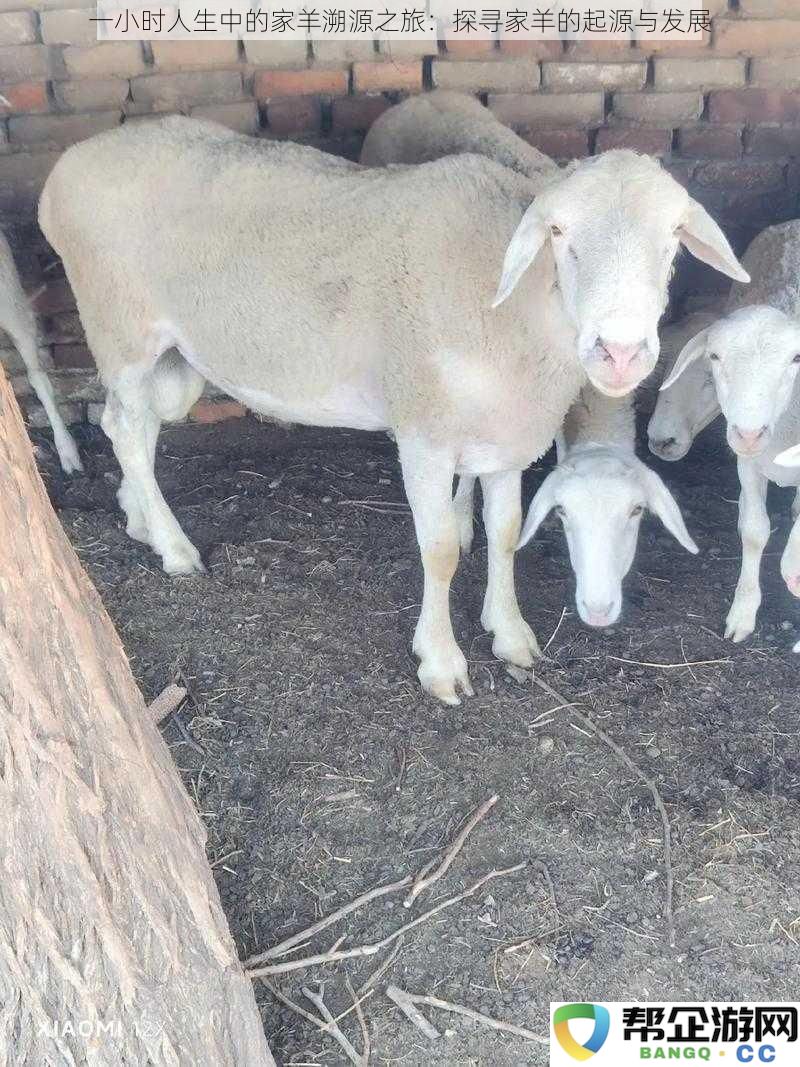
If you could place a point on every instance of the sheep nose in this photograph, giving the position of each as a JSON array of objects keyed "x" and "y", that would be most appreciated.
[
  {"x": 793, "y": 584},
  {"x": 661, "y": 446},
  {"x": 749, "y": 440},
  {"x": 598, "y": 614},
  {"x": 621, "y": 356}
]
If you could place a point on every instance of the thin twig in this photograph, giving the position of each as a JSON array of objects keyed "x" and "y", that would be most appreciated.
[
  {"x": 379, "y": 972},
  {"x": 651, "y": 785},
  {"x": 553, "y": 634},
  {"x": 424, "y": 879},
  {"x": 333, "y": 1026},
  {"x": 304, "y": 935},
  {"x": 167, "y": 701},
  {"x": 670, "y": 666},
  {"x": 362, "y": 1022},
  {"x": 370, "y": 950},
  {"x": 407, "y": 1003},
  {"x": 413, "y": 1014}
]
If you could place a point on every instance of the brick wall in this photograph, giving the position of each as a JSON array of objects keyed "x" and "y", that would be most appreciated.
[{"x": 724, "y": 115}]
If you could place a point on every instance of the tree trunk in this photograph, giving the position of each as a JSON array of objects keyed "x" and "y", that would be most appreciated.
[{"x": 113, "y": 946}]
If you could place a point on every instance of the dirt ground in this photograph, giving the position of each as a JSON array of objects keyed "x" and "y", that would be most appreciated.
[{"x": 321, "y": 770}]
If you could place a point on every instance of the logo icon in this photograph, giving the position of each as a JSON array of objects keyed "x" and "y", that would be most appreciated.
[{"x": 561, "y": 1021}]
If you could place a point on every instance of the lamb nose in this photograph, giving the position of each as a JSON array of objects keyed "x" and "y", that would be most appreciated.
[
  {"x": 750, "y": 437},
  {"x": 620, "y": 355}
]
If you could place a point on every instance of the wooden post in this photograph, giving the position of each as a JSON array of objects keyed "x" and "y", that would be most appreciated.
[{"x": 113, "y": 945}]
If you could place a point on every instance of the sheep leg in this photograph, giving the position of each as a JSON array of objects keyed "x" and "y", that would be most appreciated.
[
  {"x": 464, "y": 503},
  {"x": 24, "y": 337},
  {"x": 514, "y": 640},
  {"x": 796, "y": 504},
  {"x": 428, "y": 479},
  {"x": 132, "y": 426},
  {"x": 754, "y": 530}
]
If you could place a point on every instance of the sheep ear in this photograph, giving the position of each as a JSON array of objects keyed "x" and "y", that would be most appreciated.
[
  {"x": 528, "y": 239},
  {"x": 541, "y": 505},
  {"x": 705, "y": 240},
  {"x": 690, "y": 352},
  {"x": 790, "y": 457},
  {"x": 662, "y": 503}
]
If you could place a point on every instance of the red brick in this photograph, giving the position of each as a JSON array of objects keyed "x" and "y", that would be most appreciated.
[
  {"x": 61, "y": 130},
  {"x": 73, "y": 355},
  {"x": 757, "y": 37},
  {"x": 695, "y": 48},
  {"x": 706, "y": 73},
  {"x": 91, "y": 94},
  {"x": 25, "y": 63},
  {"x": 241, "y": 116},
  {"x": 558, "y": 144},
  {"x": 773, "y": 141},
  {"x": 17, "y": 27},
  {"x": 172, "y": 92},
  {"x": 579, "y": 77},
  {"x": 658, "y": 109},
  {"x": 711, "y": 142},
  {"x": 25, "y": 98},
  {"x": 388, "y": 76},
  {"x": 743, "y": 176},
  {"x": 754, "y": 105},
  {"x": 773, "y": 73},
  {"x": 294, "y": 114},
  {"x": 470, "y": 49},
  {"x": 514, "y": 46},
  {"x": 357, "y": 113},
  {"x": 638, "y": 138},
  {"x": 194, "y": 55},
  {"x": 547, "y": 110},
  {"x": 403, "y": 50},
  {"x": 599, "y": 50},
  {"x": 216, "y": 410},
  {"x": 340, "y": 53},
  {"x": 107, "y": 59},
  {"x": 472, "y": 76},
  {"x": 270, "y": 83},
  {"x": 277, "y": 54},
  {"x": 69, "y": 27}
]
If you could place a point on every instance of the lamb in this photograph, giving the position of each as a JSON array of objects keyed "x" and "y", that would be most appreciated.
[
  {"x": 323, "y": 292},
  {"x": 690, "y": 404},
  {"x": 17, "y": 319},
  {"x": 443, "y": 123},
  {"x": 754, "y": 355},
  {"x": 600, "y": 466}
]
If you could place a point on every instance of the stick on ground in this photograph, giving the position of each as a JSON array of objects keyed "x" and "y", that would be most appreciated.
[
  {"x": 407, "y": 1003},
  {"x": 669, "y": 917},
  {"x": 370, "y": 950},
  {"x": 424, "y": 879},
  {"x": 327, "y": 1024},
  {"x": 303, "y": 935}
]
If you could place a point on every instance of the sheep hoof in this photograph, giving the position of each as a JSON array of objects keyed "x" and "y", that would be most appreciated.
[
  {"x": 68, "y": 456},
  {"x": 442, "y": 674},
  {"x": 516, "y": 643},
  {"x": 740, "y": 623},
  {"x": 183, "y": 560}
]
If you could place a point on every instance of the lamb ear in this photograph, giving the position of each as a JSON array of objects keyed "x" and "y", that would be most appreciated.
[
  {"x": 790, "y": 457},
  {"x": 690, "y": 352},
  {"x": 528, "y": 239},
  {"x": 705, "y": 240},
  {"x": 662, "y": 503},
  {"x": 542, "y": 503}
]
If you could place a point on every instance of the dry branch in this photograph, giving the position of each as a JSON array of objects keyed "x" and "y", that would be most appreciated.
[
  {"x": 303, "y": 935},
  {"x": 407, "y": 1003},
  {"x": 370, "y": 950},
  {"x": 327, "y": 1023},
  {"x": 424, "y": 879},
  {"x": 669, "y": 917}
]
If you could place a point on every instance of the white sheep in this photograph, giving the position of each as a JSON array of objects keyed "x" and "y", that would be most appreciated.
[
  {"x": 322, "y": 292},
  {"x": 18, "y": 321},
  {"x": 754, "y": 355},
  {"x": 773, "y": 261},
  {"x": 599, "y": 487},
  {"x": 444, "y": 123}
]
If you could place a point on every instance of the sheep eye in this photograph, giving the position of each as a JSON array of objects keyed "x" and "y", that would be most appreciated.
[
  {"x": 637, "y": 510},
  {"x": 714, "y": 357},
  {"x": 558, "y": 510},
  {"x": 796, "y": 358},
  {"x": 556, "y": 231}
]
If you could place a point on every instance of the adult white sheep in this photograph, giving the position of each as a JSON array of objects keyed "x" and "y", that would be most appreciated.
[
  {"x": 754, "y": 354},
  {"x": 690, "y": 404},
  {"x": 323, "y": 292},
  {"x": 599, "y": 488},
  {"x": 443, "y": 123},
  {"x": 17, "y": 319}
]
